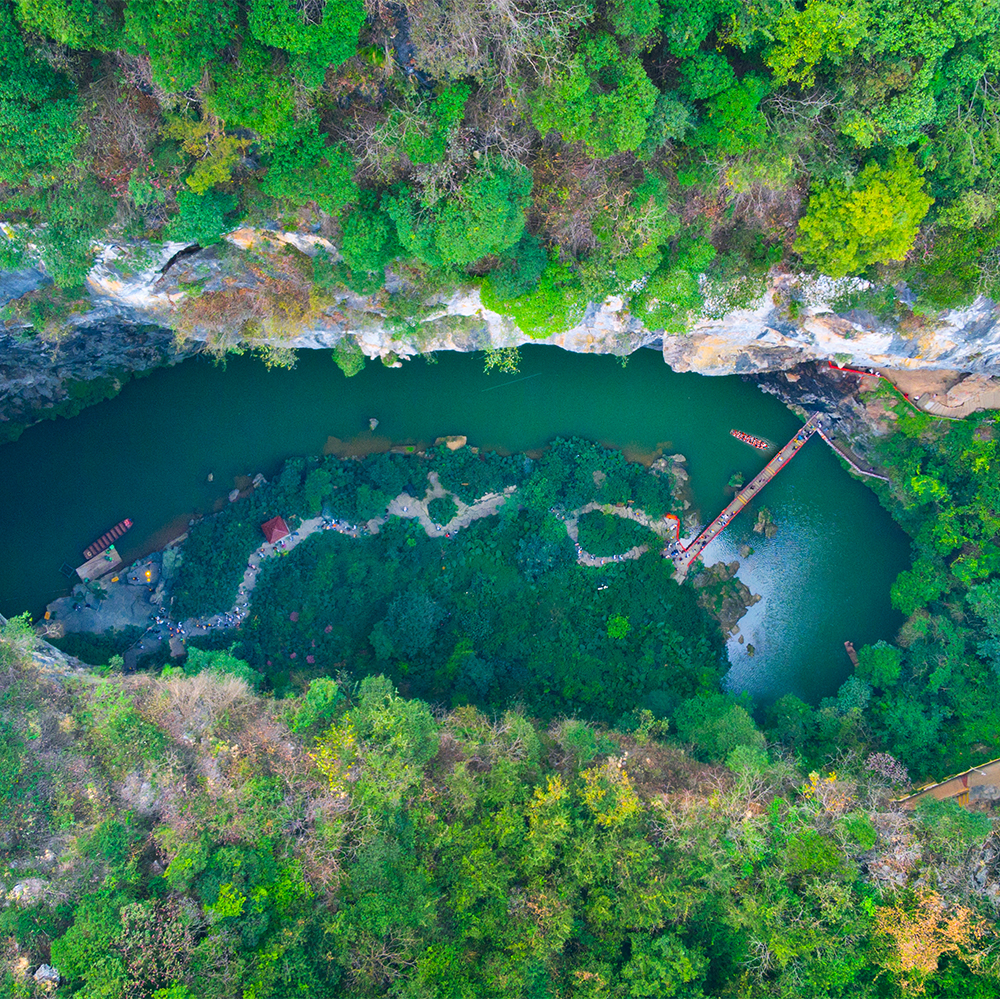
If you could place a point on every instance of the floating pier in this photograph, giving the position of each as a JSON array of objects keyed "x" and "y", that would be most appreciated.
[
  {"x": 683, "y": 558},
  {"x": 100, "y": 564}
]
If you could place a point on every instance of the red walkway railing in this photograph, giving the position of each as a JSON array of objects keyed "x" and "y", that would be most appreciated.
[{"x": 683, "y": 559}]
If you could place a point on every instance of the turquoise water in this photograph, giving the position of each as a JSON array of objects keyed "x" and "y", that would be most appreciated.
[{"x": 147, "y": 454}]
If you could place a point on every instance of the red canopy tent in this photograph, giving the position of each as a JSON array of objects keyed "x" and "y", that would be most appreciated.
[{"x": 275, "y": 529}]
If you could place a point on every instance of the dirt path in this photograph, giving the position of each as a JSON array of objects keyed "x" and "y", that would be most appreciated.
[
  {"x": 572, "y": 522},
  {"x": 165, "y": 629},
  {"x": 206, "y": 624},
  {"x": 418, "y": 509}
]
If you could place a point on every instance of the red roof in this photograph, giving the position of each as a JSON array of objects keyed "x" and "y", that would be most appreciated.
[{"x": 275, "y": 529}]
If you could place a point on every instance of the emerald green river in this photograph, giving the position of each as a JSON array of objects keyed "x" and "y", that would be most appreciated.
[{"x": 147, "y": 455}]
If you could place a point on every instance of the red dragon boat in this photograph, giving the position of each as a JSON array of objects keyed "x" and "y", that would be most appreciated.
[
  {"x": 751, "y": 440},
  {"x": 108, "y": 538}
]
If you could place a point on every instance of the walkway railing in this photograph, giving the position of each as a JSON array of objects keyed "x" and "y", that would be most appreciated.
[
  {"x": 847, "y": 458},
  {"x": 683, "y": 559},
  {"x": 981, "y": 781}
]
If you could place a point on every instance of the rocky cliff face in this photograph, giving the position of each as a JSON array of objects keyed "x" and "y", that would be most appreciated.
[
  {"x": 137, "y": 296},
  {"x": 766, "y": 338},
  {"x": 39, "y": 378},
  {"x": 90, "y": 356}
]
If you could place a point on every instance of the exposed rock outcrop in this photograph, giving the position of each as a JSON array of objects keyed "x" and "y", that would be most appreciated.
[
  {"x": 47, "y": 976},
  {"x": 138, "y": 295}
]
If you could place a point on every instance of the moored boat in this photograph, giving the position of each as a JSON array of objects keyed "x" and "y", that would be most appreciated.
[
  {"x": 107, "y": 539},
  {"x": 749, "y": 439}
]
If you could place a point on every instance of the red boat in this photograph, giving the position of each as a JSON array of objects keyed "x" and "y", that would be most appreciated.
[
  {"x": 751, "y": 440},
  {"x": 108, "y": 538}
]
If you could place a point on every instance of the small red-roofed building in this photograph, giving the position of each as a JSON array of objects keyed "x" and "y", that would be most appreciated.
[{"x": 275, "y": 529}]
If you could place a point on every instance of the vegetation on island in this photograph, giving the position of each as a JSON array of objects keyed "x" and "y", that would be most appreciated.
[
  {"x": 608, "y": 534},
  {"x": 499, "y": 612},
  {"x": 555, "y": 152}
]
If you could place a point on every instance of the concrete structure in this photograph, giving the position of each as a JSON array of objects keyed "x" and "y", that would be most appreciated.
[{"x": 99, "y": 564}]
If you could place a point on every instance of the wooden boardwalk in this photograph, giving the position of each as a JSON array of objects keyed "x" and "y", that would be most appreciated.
[
  {"x": 975, "y": 785},
  {"x": 683, "y": 558}
]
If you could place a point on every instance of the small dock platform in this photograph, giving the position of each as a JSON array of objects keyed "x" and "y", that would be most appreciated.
[{"x": 97, "y": 566}]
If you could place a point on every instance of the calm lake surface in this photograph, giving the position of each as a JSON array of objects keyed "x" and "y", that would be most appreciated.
[{"x": 147, "y": 454}]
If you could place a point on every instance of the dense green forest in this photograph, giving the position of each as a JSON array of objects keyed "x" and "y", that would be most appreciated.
[
  {"x": 555, "y": 151},
  {"x": 489, "y": 771},
  {"x": 183, "y": 836}
]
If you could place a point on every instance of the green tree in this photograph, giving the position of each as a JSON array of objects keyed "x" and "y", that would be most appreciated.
[
  {"x": 216, "y": 153},
  {"x": 873, "y": 219},
  {"x": 912, "y": 731},
  {"x": 556, "y": 302},
  {"x": 409, "y": 626},
  {"x": 316, "y": 489},
  {"x": 396, "y": 737},
  {"x": 671, "y": 119},
  {"x": 601, "y": 98},
  {"x": 222, "y": 663},
  {"x": 436, "y": 124},
  {"x": 486, "y": 215},
  {"x": 716, "y": 725},
  {"x": 75, "y": 216},
  {"x": 39, "y": 132},
  {"x": 86, "y": 955},
  {"x": 672, "y": 297},
  {"x": 732, "y": 121},
  {"x": 686, "y": 25},
  {"x": 955, "y": 272},
  {"x": 823, "y": 29},
  {"x": 369, "y": 242},
  {"x": 985, "y": 601},
  {"x": 519, "y": 269},
  {"x": 917, "y": 587},
  {"x": 305, "y": 169},
  {"x": 662, "y": 966},
  {"x": 250, "y": 92},
  {"x": 952, "y": 828},
  {"x": 328, "y": 39},
  {"x": 80, "y": 24},
  {"x": 706, "y": 74},
  {"x": 181, "y": 37},
  {"x": 318, "y": 704},
  {"x": 639, "y": 18},
  {"x": 202, "y": 218},
  {"x": 618, "y": 627},
  {"x": 880, "y": 664}
]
